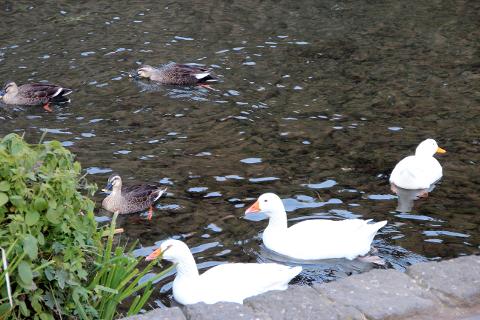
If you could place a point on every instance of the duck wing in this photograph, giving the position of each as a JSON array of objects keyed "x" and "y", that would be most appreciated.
[
  {"x": 236, "y": 281},
  {"x": 187, "y": 74},
  {"x": 43, "y": 91},
  {"x": 324, "y": 239},
  {"x": 416, "y": 173},
  {"x": 143, "y": 192}
]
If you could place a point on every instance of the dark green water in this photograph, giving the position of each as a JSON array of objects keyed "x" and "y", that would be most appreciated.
[{"x": 325, "y": 96}]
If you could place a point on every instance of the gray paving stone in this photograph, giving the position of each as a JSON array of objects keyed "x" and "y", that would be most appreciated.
[
  {"x": 219, "y": 311},
  {"x": 160, "y": 314},
  {"x": 380, "y": 294},
  {"x": 457, "y": 278},
  {"x": 299, "y": 303}
]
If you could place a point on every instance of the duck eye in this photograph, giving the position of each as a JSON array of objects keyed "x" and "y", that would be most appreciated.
[{"x": 265, "y": 200}]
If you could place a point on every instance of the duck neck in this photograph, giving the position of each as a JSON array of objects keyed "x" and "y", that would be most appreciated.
[
  {"x": 277, "y": 221},
  {"x": 12, "y": 91},
  {"x": 186, "y": 268},
  {"x": 117, "y": 190}
]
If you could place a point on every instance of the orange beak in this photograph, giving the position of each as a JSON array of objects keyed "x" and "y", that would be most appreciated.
[
  {"x": 155, "y": 254},
  {"x": 253, "y": 208},
  {"x": 440, "y": 150}
]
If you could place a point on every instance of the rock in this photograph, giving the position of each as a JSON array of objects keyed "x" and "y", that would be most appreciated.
[
  {"x": 299, "y": 302},
  {"x": 219, "y": 311},
  {"x": 160, "y": 314},
  {"x": 380, "y": 294},
  {"x": 456, "y": 282},
  {"x": 431, "y": 290}
]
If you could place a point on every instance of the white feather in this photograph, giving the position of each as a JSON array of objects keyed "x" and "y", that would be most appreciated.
[
  {"x": 160, "y": 193},
  {"x": 230, "y": 282},
  {"x": 419, "y": 171},
  {"x": 314, "y": 239},
  {"x": 57, "y": 92},
  {"x": 67, "y": 92},
  {"x": 200, "y": 76}
]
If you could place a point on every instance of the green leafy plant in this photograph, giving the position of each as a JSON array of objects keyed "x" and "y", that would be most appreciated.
[
  {"x": 47, "y": 228},
  {"x": 118, "y": 277},
  {"x": 60, "y": 266}
]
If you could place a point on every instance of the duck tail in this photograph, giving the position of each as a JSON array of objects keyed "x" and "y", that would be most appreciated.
[
  {"x": 294, "y": 271},
  {"x": 65, "y": 92},
  {"x": 374, "y": 227},
  {"x": 60, "y": 95},
  {"x": 378, "y": 225},
  {"x": 285, "y": 275},
  {"x": 159, "y": 193},
  {"x": 205, "y": 77}
]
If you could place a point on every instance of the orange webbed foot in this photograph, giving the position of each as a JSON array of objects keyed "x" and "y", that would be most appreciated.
[
  {"x": 47, "y": 107},
  {"x": 150, "y": 213}
]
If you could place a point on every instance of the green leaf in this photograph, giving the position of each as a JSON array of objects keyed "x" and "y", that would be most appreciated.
[
  {"x": 25, "y": 273},
  {"x": 40, "y": 204},
  {"x": 46, "y": 316},
  {"x": 4, "y": 308},
  {"x": 18, "y": 202},
  {"x": 103, "y": 288},
  {"x": 49, "y": 274},
  {"x": 62, "y": 277},
  {"x": 40, "y": 239},
  {"x": 4, "y": 186},
  {"x": 31, "y": 218},
  {"x": 30, "y": 246},
  {"x": 53, "y": 215},
  {"x": 3, "y": 198},
  {"x": 57, "y": 247},
  {"x": 35, "y": 302},
  {"x": 16, "y": 146}
]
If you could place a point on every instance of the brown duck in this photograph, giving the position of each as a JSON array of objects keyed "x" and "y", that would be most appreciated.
[
  {"x": 32, "y": 94},
  {"x": 131, "y": 199},
  {"x": 177, "y": 74}
]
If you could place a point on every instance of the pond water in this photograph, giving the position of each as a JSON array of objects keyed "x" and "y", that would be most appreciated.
[{"x": 317, "y": 102}]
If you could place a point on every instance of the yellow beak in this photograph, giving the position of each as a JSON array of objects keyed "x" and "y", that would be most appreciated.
[{"x": 440, "y": 150}]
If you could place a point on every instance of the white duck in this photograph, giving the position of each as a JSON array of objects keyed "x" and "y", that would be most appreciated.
[
  {"x": 230, "y": 282},
  {"x": 313, "y": 239},
  {"x": 419, "y": 171}
]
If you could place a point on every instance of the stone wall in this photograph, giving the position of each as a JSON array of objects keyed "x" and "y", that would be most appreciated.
[{"x": 432, "y": 290}]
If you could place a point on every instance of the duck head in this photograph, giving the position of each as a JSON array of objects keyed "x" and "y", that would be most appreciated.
[
  {"x": 428, "y": 148},
  {"x": 268, "y": 203},
  {"x": 114, "y": 182},
  {"x": 145, "y": 71},
  {"x": 10, "y": 88},
  {"x": 171, "y": 250}
]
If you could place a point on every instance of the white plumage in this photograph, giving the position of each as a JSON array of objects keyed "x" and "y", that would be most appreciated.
[
  {"x": 419, "y": 171},
  {"x": 314, "y": 239},
  {"x": 231, "y": 282},
  {"x": 200, "y": 76}
]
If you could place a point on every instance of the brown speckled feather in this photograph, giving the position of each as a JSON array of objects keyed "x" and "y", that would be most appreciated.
[
  {"x": 181, "y": 74},
  {"x": 133, "y": 198},
  {"x": 35, "y": 94}
]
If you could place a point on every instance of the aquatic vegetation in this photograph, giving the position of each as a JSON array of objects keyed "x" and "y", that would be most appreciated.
[
  {"x": 117, "y": 277},
  {"x": 59, "y": 263}
]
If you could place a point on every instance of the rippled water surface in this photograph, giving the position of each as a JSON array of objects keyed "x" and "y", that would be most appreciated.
[{"x": 317, "y": 102}]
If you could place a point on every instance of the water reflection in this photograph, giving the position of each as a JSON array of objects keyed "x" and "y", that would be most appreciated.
[
  {"x": 407, "y": 197},
  {"x": 316, "y": 270}
]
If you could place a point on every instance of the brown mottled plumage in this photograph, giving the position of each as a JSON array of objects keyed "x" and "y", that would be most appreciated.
[
  {"x": 177, "y": 74},
  {"x": 31, "y": 94},
  {"x": 131, "y": 199}
]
